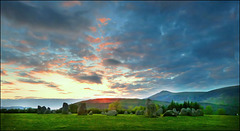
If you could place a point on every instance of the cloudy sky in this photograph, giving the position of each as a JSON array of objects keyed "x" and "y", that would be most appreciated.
[{"x": 117, "y": 49}]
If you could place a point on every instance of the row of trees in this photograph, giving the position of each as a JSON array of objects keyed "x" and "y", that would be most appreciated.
[
  {"x": 28, "y": 110},
  {"x": 185, "y": 104},
  {"x": 117, "y": 106}
]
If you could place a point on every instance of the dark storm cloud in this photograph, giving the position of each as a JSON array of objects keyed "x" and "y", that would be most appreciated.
[
  {"x": 7, "y": 82},
  {"x": 35, "y": 81},
  {"x": 111, "y": 62},
  {"x": 178, "y": 38},
  {"x": 43, "y": 17},
  {"x": 93, "y": 78}
]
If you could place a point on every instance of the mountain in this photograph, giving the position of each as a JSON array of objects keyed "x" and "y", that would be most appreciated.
[
  {"x": 33, "y": 103},
  {"x": 102, "y": 103},
  {"x": 223, "y": 96},
  {"x": 15, "y": 107}
]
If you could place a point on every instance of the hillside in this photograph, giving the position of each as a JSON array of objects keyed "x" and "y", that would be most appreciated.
[
  {"x": 102, "y": 103},
  {"x": 223, "y": 96}
]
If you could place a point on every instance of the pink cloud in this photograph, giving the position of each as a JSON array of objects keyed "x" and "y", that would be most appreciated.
[
  {"x": 92, "y": 57},
  {"x": 93, "y": 29},
  {"x": 93, "y": 40},
  {"x": 104, "y": 20},
  {"x": 71, "y": 3}
]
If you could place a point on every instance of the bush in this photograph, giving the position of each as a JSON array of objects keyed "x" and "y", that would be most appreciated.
[
  {"x": 208, "y": 110},
  {"x": 221, "y": 111},
  {"x": 95, "y": 110}
]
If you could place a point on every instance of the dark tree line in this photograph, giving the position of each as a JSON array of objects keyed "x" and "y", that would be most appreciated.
[
  {"x": 185, "y": 104},
  {"x": 28, "y": 110}
]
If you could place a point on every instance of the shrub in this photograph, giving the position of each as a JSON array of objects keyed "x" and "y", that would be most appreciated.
[
  {"x": 221, "y": 111},
  {"x": 208, "y": 110}
]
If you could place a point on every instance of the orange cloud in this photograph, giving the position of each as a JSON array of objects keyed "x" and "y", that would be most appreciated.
[
  {"x": 42, "y": 53},
  {"x": 71, "y": 3},
  {"x": 3, "y": 72},
  {"x": 104, "y": 20},
  {"x": 79, "y": 61},
  {"x": 92, "y": 57},
  {"x": 93, "y": 40},
  {"x": 101, "y": 46},
  {"x": 24, "y": 42},
  {"x": 93, "y": 29}
]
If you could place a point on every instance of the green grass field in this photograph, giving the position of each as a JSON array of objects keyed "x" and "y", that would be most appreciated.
[{"x": 27, "y": 121}]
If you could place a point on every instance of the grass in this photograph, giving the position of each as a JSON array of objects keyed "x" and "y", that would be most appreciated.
[{"x": 27, "y": 121}]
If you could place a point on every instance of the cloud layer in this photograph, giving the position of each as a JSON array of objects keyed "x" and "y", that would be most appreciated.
[{"x": 127, "y": 49}]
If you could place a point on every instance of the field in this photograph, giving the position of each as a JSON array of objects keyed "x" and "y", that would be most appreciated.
[{"x": 27, "y": 121}]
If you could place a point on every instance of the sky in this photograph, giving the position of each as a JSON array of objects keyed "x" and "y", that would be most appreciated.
[{"x": 112, "y": 49}]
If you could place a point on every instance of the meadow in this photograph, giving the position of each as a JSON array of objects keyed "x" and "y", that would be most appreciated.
[{"x": 29, "y": 121}]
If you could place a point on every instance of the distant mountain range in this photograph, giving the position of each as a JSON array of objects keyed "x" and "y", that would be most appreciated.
[
  {"x": 33, "y": 103},
  {"x": 223, "y": 96}
]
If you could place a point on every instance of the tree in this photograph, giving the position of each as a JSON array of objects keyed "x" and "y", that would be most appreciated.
[
  {"x": 221, "y": 111},
  {"x": 208, "y": 110},
  {"x": 115, "y": 106}
]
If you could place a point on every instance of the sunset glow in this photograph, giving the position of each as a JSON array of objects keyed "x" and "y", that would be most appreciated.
[{"x": 116, "y": 49}]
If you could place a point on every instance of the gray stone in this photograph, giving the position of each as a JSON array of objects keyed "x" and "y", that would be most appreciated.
[
  {"x": 39, "y": 110},
  {"x": 139, "y": 112},
  {"x": 131, "y": 113},
  {"x": 189, "y": 112},
  {"x": 90, "y": 113},
  {"x": 183, "y": 112},
  {"x": 82, "y": 109},
  {"x": 150, "y": 109},
  {"x": 194, "y": 112},
  {"x": 43, "y": 110},
  {"x": 125, "y": 112},
  {"x": 65, "y": 108},
  {"x": 102, "y": 113},
  {"x": 112, "y": 113},
  {"x": 159, "y": 112},
  {"x": 169, "y": 113},
  {"x": 47, "y": 111},
  {"x": 175, "y": 111},
  {"x": 69, "y": 113},
  {"x": 199, "y": 112}
]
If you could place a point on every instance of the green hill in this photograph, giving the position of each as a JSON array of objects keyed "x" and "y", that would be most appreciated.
[
  {"x": 223, "y": 96},
  {"x": 102, "y": 103}
]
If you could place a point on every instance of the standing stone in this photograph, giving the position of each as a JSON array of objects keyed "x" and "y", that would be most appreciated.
[
  {"x": 65, "y": 108},
  {"x": 151, "y": 109},
  {"x": 194, "y": 112},
  {"x": 169, "y": 113},
  {"x": 90, "y": 113},
  {"x": 82, "y": 109},
  {"x": 189, "y": 112},
  {"x": 39, "y": 109},
  {"x": 175, "y": 111},
  {"x": 102, "y": 113},
  {"x": 131, "y": 113},
  {"x": 183, "y": 112},
  {"x": 43, "y": 110},
  {"x": 159, "y": 112},
  {"x": 139, "y": 112},
  {"x": 125, "y": 112},
  {"x": 112, "y": 113},
  {"x": 199, "y": 112},
  {"x": 47, "y": 111}
]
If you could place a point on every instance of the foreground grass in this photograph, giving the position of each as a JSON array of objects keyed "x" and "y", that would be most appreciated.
[{"x": 27, "y": 121}]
